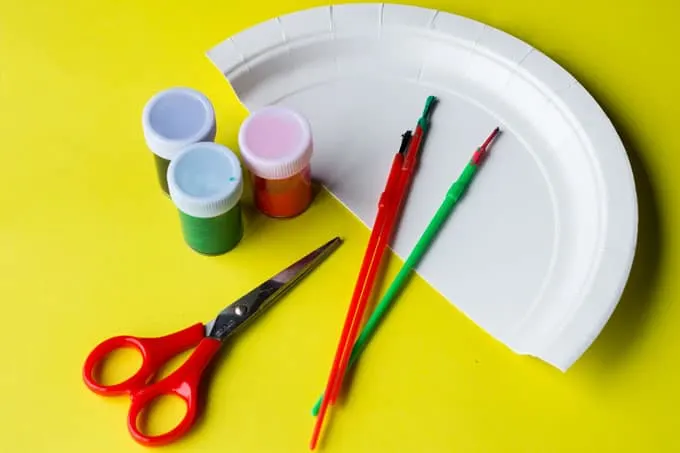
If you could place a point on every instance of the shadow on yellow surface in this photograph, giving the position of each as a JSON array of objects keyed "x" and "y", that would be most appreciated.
[{"x": 631, "y": 317}]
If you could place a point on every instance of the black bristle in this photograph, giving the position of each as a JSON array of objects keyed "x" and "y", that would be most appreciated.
[{"x": 405, "y": 140}]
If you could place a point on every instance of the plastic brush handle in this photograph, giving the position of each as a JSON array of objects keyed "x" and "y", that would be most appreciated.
[
  {"x": 354, "y": 317},
  {"x": 453, "y": 195},
  {"x": 394, "y": 209},
  {"x": 402, "y": 277},
  {"x": 403, "y": 185},
  {"x": 371, "y": 249}
]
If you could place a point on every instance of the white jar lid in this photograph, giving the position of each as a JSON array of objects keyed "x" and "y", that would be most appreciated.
[
  {"x": 175, "y": 118},
  {"x": 275, "y": 142},
  {"x": 205, "y": 180}
]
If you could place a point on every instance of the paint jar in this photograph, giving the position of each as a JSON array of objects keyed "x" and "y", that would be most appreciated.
[
  {"x": 276, "y": 146},
  {"x": 205, "y": 183},
  {"x": 173, "y": 119}
]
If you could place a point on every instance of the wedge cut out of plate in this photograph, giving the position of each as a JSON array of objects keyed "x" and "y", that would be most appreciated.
[{"x": 538, "y": 251}]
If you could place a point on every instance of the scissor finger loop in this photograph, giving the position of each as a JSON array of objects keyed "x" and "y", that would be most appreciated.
[
  {"x": 99, "y": 355},
  {"x": 207, "y": 339}
]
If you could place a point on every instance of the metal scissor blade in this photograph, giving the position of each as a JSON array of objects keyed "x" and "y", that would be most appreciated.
[
  {"x": 256, "y": 301},
  {"x": 299, "y": 269}
]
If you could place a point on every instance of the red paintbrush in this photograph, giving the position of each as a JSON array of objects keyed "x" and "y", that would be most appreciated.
[
  {"x": 388, "y": 210},
  {"x": 393, "y": 211}
]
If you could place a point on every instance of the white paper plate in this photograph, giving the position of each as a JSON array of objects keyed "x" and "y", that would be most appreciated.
[{"x": 539, "y": 250}]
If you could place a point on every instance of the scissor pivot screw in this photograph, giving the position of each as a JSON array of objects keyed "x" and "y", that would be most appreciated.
[{"x": 240, "y": 310}]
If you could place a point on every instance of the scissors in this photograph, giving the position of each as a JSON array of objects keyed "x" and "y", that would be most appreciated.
[{"x": 208, "y": 338}]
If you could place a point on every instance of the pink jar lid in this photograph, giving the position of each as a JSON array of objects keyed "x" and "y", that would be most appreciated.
[{"x": 275, "y": 142}]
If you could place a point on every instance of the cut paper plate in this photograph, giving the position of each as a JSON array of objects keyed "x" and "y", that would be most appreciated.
[{"x": 539, "y": 250}]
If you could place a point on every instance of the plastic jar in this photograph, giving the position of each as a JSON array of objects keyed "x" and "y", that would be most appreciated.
[
  {"x": 205, "y": 184},
  {"x": 276, "y": 146},
  {"x": 173, "y": 119}
]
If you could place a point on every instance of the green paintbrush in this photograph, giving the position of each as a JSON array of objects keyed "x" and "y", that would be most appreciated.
[{"x": 454, "y": 193}]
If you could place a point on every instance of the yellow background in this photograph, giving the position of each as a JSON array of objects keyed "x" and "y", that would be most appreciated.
[{"x": 89, "y": 248}]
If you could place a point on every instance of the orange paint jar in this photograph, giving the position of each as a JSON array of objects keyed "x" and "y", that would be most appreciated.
[{"x": 276, "y": 147}]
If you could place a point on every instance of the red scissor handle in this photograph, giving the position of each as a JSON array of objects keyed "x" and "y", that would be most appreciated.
[
  {"x": 155, "y": 352},
  {"x": 183, "y": 382}
]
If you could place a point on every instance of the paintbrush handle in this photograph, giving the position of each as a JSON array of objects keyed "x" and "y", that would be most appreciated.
[
  {"x": 453, "y": 195},
  {"x": 401, "y": 278}
]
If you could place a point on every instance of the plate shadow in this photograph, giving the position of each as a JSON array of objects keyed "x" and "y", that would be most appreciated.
[{"x": 627, "y": 323}]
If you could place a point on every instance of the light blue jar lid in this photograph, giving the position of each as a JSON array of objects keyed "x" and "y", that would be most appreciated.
[{"x": 205, "y": 180}]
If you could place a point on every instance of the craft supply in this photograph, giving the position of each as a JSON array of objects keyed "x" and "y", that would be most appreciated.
[
  {"x": 403, "y": 185},
  {"x": 455, "y": 192},
  {"x": 207, "y": 340},
  {"x": 205, "y": 183},
  {"x": 572, "y": 271},
  {"x": 378, "y": 244},
  {"x": 175, "y": 118},
  {"x": 276, "y": 146},
  {"x": 389, "y": 209}
]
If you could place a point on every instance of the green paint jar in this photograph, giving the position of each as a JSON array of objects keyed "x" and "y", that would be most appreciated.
[
  {"x": 205, "y": 183},
  {"x": 173, "y": 119}
]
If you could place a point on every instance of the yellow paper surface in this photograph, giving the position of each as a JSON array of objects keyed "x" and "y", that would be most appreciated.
[{"x": 89, "y": 248}]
